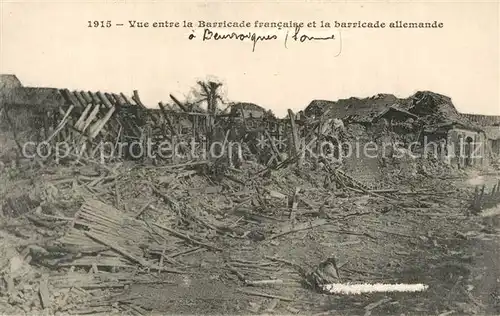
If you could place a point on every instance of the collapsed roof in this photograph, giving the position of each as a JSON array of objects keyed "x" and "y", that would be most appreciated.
[
  {"x": 451, "y": 124},
  {"x": 353, "y": 109},
  {"x": 434, "y": 107},
  {"x": 483, "y": 120},
  {"x": 422, "y": 104}
]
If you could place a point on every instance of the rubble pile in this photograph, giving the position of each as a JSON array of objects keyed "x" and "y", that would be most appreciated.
[
  {"x": 265, "y": 231},
  {"x": 93, "y": 232}
]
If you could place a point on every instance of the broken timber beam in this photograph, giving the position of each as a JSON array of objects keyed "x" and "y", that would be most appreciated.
[
  {"x": 126, "y": 99},
  {"x": 182, "y": 106},
  {"x": 86, "y": 96},
  {"x": 295, "y": 136},
  {"x": 71, "y": 98},
  {"x": 104, "y": 99},
  {"x": 61, "y": 124},
  {"x": 137, "y": 100},
  {"x": 79, "y": 123},
  {"x": 95, "y": 98},
  {"x": 117, "y": 248},
  {"x": 273, "y": 146},
  {"x": 187, "y": 238},
  {"x": 91, "y": 117},
  {"x": 94, "y": 131},
  {"x": 80, "y": 98},
  {"x": 165, "y": 116}
]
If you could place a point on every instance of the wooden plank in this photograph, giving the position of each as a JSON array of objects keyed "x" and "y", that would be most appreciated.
[
  {"x": 295, "y": 137},
  {"x": 81, "y": 120},
  {"x": 118, "y": 99},
  {"x": 117, "y": 248},
  {"x": 186, "y": 114},
  {"x": 137, "y": 99},
  {"x": 95, "y": 98},
  {"x": 71, "y": 98},
  {"x": 81, "y": 99},
  {"x": 167, "y": 119},
  {"x": 273, "y": 146},
  {"x": 127, "y": 99},
  {"x": 91, "y": 117},
  {"x": 104, "y": 99},
  {"x": 178, "y": 103},
  {"x": 86, "y": 96},
  {"x": 110, "y": 98},
  {"x": 187, "y": 238},
  {"x": 102, "y": 122},
  {"x": 62, "y": 123}
]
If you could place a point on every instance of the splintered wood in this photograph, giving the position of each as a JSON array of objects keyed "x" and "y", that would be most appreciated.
[
  {"x": 484, "y": 200},
  {"x": 95, "y": 281},
  {"x": 99, "y": 227}
]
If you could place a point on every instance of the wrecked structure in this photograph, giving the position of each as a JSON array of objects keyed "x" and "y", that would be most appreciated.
[
  {"x": 90, "y": 118},
  {"x": 423, "y": 118},
  {"x": 491, "y": 125},
  {"x": 78, "y": 117},
  {"x": 85, "y": 237},
  {"x": 87, "y": 118},
  {"x": 468, "y": 142}
]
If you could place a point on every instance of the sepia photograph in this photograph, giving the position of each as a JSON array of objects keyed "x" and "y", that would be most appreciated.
[{"x": 249, "y": 158}]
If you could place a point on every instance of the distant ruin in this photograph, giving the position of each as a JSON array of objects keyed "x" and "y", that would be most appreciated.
[{"x": 50, "y": 115}]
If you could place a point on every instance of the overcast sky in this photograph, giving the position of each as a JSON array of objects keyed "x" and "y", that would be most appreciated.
[{"x": 49, "y": 44}]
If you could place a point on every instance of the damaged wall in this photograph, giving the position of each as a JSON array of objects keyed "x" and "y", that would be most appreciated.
[
  {"x": 363, "y": 162},
  {"x": 469, "y": 146}
]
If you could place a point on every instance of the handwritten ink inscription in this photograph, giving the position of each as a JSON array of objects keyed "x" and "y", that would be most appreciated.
[
  {"x": 252, "y": 36},
  {"x": 296, "y": 35}
]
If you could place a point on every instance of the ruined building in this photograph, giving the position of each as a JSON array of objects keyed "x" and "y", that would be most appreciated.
[{"x": 88, "y": 118}]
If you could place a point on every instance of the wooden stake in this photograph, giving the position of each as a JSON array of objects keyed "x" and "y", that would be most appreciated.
[{"x": 295, "y": 135}]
